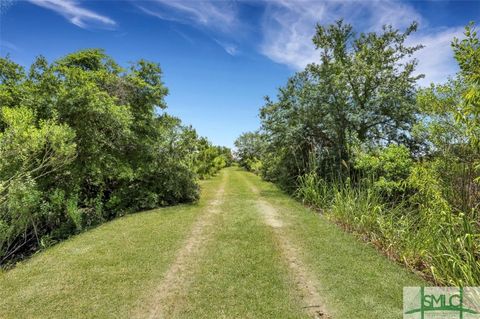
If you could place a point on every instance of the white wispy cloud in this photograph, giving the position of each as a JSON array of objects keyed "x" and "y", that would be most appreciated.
[
  {"x": 288, "y": 28},
  {"x": 436, "y": 60},
  {"x": 7, "y": 47},
  {"x": 230, "y": 48},
  {"x": 395, "y": 13},
  {"x": 76, "y": 14},
  {"x": 216, "y": 15}
]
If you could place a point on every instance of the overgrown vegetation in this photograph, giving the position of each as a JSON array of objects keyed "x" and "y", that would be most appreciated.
[
  {"x": 354, "y": 136},
  {"x": 115, "y": 270},
  {"x": 82, "y": 141}
]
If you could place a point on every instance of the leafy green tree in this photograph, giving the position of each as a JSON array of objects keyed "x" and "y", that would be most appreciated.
[
  {"x": 83, "y": 140},
  {"x": 387, "y": 167},
  {"x": 354, "y": 137},
  {"x": 369, "y": 81},
  {"x": 249, "y": 147},
  {"x": 361, "y": 92},
  {"x": 12, "y": 76},
  {"x": 28, "y": 153},
  {"x": 450, "y": 125},
  {"x": 467, "y": 54}
]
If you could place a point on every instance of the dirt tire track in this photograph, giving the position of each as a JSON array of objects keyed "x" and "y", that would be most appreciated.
[
  {"x": 304, "y": 280},
  {"x": 167, "y": 297}
]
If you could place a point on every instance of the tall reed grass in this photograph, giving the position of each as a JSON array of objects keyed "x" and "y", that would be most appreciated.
[{"x": 422, "y": 231}]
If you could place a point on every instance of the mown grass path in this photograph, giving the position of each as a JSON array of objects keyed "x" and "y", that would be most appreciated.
[{"x": 246, "y": 250}]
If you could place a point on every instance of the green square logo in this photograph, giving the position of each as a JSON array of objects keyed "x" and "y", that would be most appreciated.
[{"x": 441, "y": 303}]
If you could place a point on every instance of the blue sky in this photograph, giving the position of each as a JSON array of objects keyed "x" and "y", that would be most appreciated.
[{"x": 220, "y": 58}]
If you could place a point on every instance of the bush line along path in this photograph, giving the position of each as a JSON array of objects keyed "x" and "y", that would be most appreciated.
[{"x": 245, "y": 250}]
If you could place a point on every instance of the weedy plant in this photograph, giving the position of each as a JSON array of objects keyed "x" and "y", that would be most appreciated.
[
  {"x": 354, "y": 136},
  {"x": 422, "y": 232}
]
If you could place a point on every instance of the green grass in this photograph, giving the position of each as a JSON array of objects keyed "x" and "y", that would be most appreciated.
[
  {"x": 242, "y": 274},
  {"x": 108, "y": 271},
  {"x": 356, "y": 280},
  {"x": 100, "y": 273}
]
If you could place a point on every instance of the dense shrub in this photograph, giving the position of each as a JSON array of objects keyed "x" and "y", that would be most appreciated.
[
  {"x": 354, "y": 137},
  {"x": 82, "y": 141},
  {"x": 387, "y": 168}
]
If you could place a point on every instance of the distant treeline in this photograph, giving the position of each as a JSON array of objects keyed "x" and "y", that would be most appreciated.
[
  {"x": 354, "y": 136},
  {"x": 82, "y": 141}
]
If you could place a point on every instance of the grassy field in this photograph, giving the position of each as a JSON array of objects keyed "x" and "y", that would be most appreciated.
[
  {"x": 246, "y": 251},
  {"x": 355, "y": 279},
  {"x": 100, "y": 273}
]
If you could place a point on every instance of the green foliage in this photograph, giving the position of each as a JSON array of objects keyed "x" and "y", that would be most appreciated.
[
  {"x": 423, "y": 232},
  {"x": 82, "y": 140},
  {"x": 362, "y": 91},
  {"x": 452, "y": 240},
  {"x": 28, "y": 153},
  {"x": 210, "y": 159},
  {"x": 314, "y": 191},
  {"x": 254, "y": 165},
  {"x": 388, "y": 167},
  {"x": 355, "y": 138},
  {"x": 73, "y": 212},
  {"x": 249, "y": 147},
  {"x": 451, "y": 127},
  {"x": 467, "y": 54}
]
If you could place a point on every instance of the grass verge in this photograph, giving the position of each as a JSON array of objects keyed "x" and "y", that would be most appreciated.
[
  {"x": 100, "y": 273},
  {"x": 242, "y": 274},
  {"x": 356, "y": 280}
]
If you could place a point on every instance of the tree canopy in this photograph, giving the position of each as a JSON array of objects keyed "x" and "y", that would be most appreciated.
[{"x": 83, "y": 140}]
